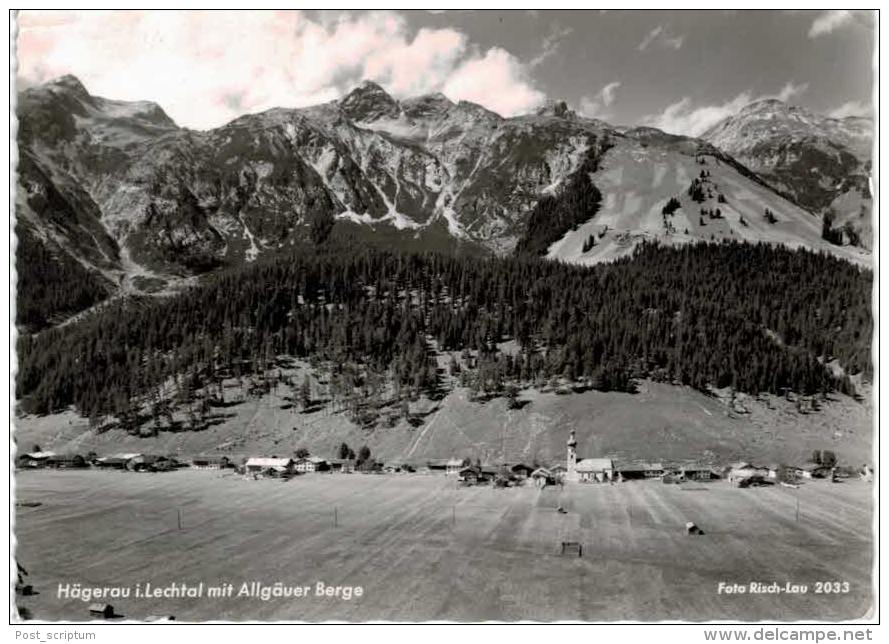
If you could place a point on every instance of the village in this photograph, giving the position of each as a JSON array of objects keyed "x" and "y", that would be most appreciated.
[
  {"x": 331, "y": 518},
  {"x": 823, "y": 464}
]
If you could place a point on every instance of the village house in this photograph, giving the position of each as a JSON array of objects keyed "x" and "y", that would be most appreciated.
[
  {"x": 636, "y": 470},
  {"x": 268, "y": 465},
  {"x": 394, "y": 467},
  {"x": 150, "y": 463},
  {"x": 780, "y": 472},
  {"x": 342, "y": 465},
  {"x": 211, "y": 462},
  {"x": 470, "y": 474},
  {"x": 812, "y": 471},
  {"x": 453, "y": 467},
  {"x": 741, "y": 471},
  {"x": 521, "y": 471},
  {"x": 696, "y": 472},
  {"x": 115, "y": 461},
  {"x": 35, "y": 459},
  {"x": 558, "y": 471},
  {"x": 542, "y": 477},
  {"x": 311, "y": 464},
  {"x": 437, "y": 465},
  {"x": 66, "y": 461}
]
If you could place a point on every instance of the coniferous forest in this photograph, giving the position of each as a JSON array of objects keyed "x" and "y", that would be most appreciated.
[
  {"x": 758, "y": 318},
  {"x": 55, "y": 283}
]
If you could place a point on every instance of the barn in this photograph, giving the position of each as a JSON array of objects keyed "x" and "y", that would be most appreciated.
[
  {"x": 637, "y": 470},
  {"x": 594, "y": 470},
  {"x": 342, "y": 465}
]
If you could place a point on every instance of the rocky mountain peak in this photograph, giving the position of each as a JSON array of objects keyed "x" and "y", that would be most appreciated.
[
  {"x": 69, "y": 83},
  {"x": 557, "y": 108},
  {"x": 369, "y": 102}
]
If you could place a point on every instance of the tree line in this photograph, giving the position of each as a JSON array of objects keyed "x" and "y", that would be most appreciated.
[{"x": 754, "y": 317}]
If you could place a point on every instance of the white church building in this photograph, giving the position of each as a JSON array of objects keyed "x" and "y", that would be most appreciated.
[{"x": 587, "y": 470}]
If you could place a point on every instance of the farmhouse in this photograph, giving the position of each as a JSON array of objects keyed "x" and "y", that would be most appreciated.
[
  {"x": 35, "y": 459},
  {"x": 342, "y": 465},
  {"x": 211, "y": 462},
  {"x": 64, "y": 461},
  {"x": 115, "y": 461},
  {"x": 542, "y": 477},
  {"x": 812, "y": 471},
  {"x": 149, "y": 463},
  {"x": 696, "y": 472},
  {"x": 397, "y": 466},
  {"x": 741, "y": 473},
  {"x": 634, "y": 470},
  {"x": 453, "y": 467},
  {"x": 311, "y": 464},
  {"x": 521, "y": 471},
  {"x": 559, "y": 471},
  {"x": 780, "y": 472},
  {"x": 266, "y": 465},
  {"x": 437, "y": 465}
]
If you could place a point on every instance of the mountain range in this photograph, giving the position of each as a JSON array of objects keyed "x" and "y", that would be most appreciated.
[{"x": 113, "y": 197}]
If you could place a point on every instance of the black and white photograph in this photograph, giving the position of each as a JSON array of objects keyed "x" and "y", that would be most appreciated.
[{"x": 462, "y": 316}]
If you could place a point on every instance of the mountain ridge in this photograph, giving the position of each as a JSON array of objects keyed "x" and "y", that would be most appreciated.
[{"x": 177, "y": 203}]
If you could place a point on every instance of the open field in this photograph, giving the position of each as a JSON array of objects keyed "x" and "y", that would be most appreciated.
[{"x": 423, "y": 548}]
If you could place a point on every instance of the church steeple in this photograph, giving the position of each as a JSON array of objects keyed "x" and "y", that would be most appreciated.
[{"x": 572, "y": 457}]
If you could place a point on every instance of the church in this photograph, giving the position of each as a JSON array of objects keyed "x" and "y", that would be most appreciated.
[{"x": 587, "y": 470}]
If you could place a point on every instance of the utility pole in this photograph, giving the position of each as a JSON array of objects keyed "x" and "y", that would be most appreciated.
[
  {"x": 179, "y": 518},
  {"x": 335, "y": 518}
]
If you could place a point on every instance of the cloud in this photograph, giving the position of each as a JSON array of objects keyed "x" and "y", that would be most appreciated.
[
  {"x": 496, "y": 81},
  {"x": 206, "y": 68},
  {"x": 851, "y": 108},
  {"x": 682, "y": 117},
  {"x": 608, "y": 92},
  {"x": 594, "y": 106},
  {"x": 829, "y": 21},
  {"x": 551, "y": 44},
  {"x": 660, "y": 37},
  {"x": 789, "y": 91}
]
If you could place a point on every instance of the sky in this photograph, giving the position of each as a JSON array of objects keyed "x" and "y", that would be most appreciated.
[{"x": 681, "y": 71}]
